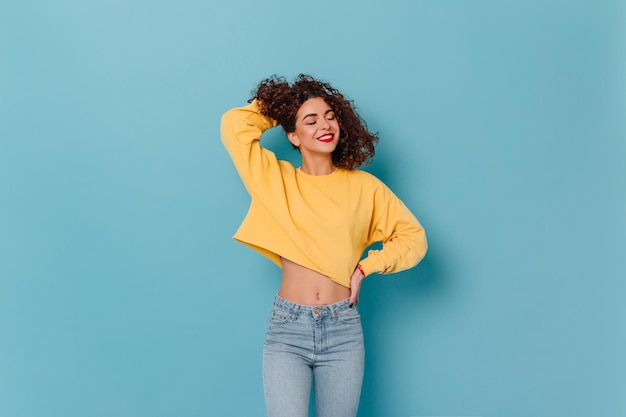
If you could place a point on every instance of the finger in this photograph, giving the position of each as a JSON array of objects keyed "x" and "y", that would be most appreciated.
[
  {"x": 353, "y": 299},
  {"x": 354, "y": 295}
]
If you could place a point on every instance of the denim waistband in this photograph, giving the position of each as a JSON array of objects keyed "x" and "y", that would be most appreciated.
[{"x": 321, "y": 310}]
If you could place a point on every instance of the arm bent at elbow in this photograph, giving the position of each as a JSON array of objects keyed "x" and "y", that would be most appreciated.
[
  {"x": 241, "y": 130},
  {"x": 403, "y": 238}
]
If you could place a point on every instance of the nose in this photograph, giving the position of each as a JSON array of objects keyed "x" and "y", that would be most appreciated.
[{"x": 324, "y": 125}]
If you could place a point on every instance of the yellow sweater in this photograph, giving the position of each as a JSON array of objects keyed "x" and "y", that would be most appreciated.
[{"x": 321, "y": 222}]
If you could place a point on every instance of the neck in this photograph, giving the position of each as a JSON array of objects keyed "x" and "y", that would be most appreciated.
[{"x": 318, "y": 167}]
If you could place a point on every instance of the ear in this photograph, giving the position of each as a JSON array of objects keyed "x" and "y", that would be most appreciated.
[{"x": 293, "y": 138}]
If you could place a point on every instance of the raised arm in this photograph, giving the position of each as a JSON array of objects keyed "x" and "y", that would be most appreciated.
[{"x": 241, "y": 131}]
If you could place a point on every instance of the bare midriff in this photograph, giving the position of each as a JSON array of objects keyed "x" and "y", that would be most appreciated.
[{"x": 304, "y": 286}]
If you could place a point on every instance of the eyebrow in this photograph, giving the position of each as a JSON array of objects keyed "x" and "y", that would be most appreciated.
[{"x": 315, "y": 114}]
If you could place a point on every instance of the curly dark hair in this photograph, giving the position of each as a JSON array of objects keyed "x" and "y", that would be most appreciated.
[{"x": 281, "y": 102}]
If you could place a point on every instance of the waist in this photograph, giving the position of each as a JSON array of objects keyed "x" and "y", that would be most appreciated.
[
  {"x": 296, "y": 309},
  {"x": 307, "y": 287}
]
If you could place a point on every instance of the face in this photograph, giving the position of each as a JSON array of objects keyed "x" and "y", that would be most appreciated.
[{"x": 317, "y": 129}]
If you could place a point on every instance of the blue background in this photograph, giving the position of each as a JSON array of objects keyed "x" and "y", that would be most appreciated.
[{"x": 503, "y": 128}]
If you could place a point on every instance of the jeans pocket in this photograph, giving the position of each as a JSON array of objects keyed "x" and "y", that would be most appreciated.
[
  {"x": 350, "y": 316},
  {"x": 279, "y": 316}
]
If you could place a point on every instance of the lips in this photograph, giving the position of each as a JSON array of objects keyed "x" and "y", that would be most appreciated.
[{"x": 326, "y": 138}]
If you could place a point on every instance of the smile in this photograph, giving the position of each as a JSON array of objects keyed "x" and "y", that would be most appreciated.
[{"x": 326, "y": 138}]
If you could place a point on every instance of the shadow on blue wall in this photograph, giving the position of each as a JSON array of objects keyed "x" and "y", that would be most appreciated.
[
  {"x": 393, "y": 309},
  {"x": 389, "y": 303}
]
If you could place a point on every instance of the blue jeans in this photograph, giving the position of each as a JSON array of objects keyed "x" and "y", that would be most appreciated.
[{"x": 323, "y": 344}]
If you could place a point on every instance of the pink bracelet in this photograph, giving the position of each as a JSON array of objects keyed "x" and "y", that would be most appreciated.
[{"x": 360, "y": 268}]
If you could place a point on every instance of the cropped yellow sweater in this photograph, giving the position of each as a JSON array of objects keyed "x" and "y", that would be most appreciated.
[{"x": 323, "y": 222}]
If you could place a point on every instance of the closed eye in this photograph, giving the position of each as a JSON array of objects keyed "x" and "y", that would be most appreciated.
[{"x": 330, "y": 115}]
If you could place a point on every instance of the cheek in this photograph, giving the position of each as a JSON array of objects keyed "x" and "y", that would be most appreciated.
[
  {"x": 305, "y": 131},
  {"x": 338, "y": 128}
]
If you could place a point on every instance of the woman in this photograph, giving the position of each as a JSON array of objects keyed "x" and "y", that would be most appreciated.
[{"x": 315, "y": 222}]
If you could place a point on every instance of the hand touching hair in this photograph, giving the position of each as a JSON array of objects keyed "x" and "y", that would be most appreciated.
[{"x": 281, "y": 101}]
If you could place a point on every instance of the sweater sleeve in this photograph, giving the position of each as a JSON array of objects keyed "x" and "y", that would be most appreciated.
[
  {"x": 241, "y": 130},
  {"x": 402, "y": 236}
]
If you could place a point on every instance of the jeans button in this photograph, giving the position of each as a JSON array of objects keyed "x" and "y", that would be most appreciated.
[{"x": 316, "y": 311}]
